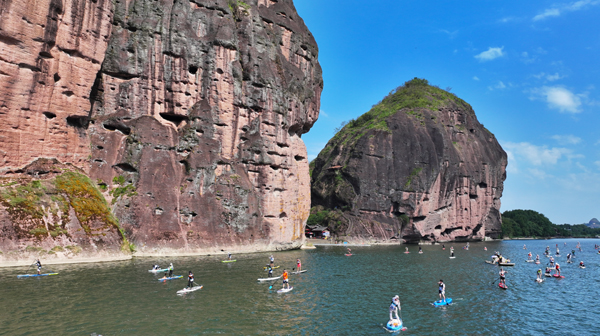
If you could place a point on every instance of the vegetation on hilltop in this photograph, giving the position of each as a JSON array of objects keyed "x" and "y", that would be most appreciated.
[{"x": 529, "y": 223}]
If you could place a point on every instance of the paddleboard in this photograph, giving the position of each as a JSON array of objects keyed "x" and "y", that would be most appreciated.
[
  {"x": 35, "y": 275},
  {"x": 489, "y": 262},
  {"x": 285, "y": 290},
  {"x": 420, "y": 252},
  {"x": 187, "y": 290},
  {"x": 581, "y": 266},
  {"x": 537, "y": 262},
  {"x": 558, "y": 276},
  {"x": 229, "y": 261},
  {"x": 506, "y": 264},
  {"x": 394, "y": 325},
  {"x": 269, "y": 279},
  {"x": 529, "y": 260},
  {"x": 159, "y": 270},
  {"x": 539, "y": 280},
  {"x": 273, "y": 267},
  {"x": 547, "y": 274},
  {"x": 298, "y": 272},
  {"x": 171, "y": 278},
  {"x": 452, "y": 257},
  {"x": 347, "y": 255},
  {"x": 503, "y": 286},
  {"x": 406, "y": 252},
  {"x": 442, "y": 303}
]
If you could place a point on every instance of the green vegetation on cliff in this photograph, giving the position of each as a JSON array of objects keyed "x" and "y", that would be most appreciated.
[{"x": 529, "y": 223}]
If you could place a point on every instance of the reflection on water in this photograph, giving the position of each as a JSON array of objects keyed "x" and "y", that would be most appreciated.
[{"x": 338, "y": 295}]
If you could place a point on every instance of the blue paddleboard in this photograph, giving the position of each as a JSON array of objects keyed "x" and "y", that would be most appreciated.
[
  {"x": 442, "y": 303},
  {"x": 34, "y": 275},
  {"x": 171, "y": 278},
  {"x": 394, "y": 325}
]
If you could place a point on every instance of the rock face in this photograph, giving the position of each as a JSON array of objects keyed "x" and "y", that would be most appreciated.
[
  {"x": 418, "y": 166},
  {"x": 188, "y": 113}
]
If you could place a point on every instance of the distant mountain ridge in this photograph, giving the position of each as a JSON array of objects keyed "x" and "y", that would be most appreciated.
[{"x": 594, "y": 224}]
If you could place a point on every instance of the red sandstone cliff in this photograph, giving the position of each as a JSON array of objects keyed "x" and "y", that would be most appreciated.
[
  {"x": 418, "y": 167},
  {"x": 186, "y": 114}
]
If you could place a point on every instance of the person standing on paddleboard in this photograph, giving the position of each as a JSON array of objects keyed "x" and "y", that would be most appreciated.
[
  {"x": 272, "y": 260},
  {"x": 228, "y": 256},
  {"x": 270, "y": 273},
  {"x": 529, "y": 256},
  {"x": 558, "y": 269},
  {"x": 395, "y": 307},
  {"x": 298, "y": 265},
  {"x": 39, "y": 266},
  {"x": 502, "y": 276},
  {"x": 190, "y": 280},
  {"x": 539, "y": 274},
  {"x": 442, "y": 290},
  {"x": 171, "y": 270},
  {"x": 286, "y": 283}
]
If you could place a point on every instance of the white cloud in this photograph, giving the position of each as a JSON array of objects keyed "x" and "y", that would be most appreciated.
[
  {"x": 451, "y": 34},
  {"x": 490, "y": 54},
  {"x": 567, "y": 139},
  {"x": 536, "y": 155},
  {"x": 499, "y": 86},
  {"x": 322, "y": 113},
  {"x": 547, "y": 13},
  {"x": 538, "y": 173},
  {"x": 554, "y": 77},
  {"x": 559, "y": 98},
  {"x": 558, "y": 10},
  {"x": 475, "y": 78},
  {"x": 549, "y": 77}
]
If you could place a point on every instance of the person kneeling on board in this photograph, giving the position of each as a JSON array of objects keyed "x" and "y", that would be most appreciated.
[
  {"x": 286, "y": 283},
  {"x": 581, "y": 264},
  {"x": 395, "y": 307}
]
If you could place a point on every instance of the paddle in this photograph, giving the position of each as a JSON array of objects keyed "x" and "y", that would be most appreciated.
[{"x": 495, "y": 280}]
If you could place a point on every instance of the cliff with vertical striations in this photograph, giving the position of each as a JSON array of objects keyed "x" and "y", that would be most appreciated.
[
  {"x": 186, "y": 115},
  {"x": 418, "y": 166}
]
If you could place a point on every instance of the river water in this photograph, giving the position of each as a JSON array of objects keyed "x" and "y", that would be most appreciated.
[{"x": 339, "y": 295}]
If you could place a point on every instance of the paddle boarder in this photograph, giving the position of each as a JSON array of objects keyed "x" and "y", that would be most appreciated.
[
  {"x": 551, "y": 261},
  {"x": 558, "y": 269},
  {"x": 395, "y": 307},
  {"x": 539, "y": 274},
  {"x": 272, "y": 260},
  {"x": 155, "y": 267},
  {"x": 581, "y": 264},
  {"x": 39, "y": 266},
  {"x": 228, "y": 255},
  {"x": 548, "y": 270},
  {"x": 270, "y": 269},
  {"x": 286, "y": 283},
  {"x": 190, "y": 280},
  {"x": 529, "y": 256},
  {"x": 502, "y": 276},
  {"x": 537, "y": 257},
  {"x": 298, "y": 265},
  {"x": 170, "y": 270},
  {"x": 569, "y": 257},
  {"x": 442, "y": 290}
]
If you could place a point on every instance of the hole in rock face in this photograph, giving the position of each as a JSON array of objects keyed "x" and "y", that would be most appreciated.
[
  {"x": 174, "y": 118},
  {"x": 438, "y": 227},
  {"x": 193, "y": 69},
  {"x": 220, "y": 71},
  {"x": 56, "y": 77},
  {"x": 50, "y": 115},
  {"x": 282, "y": 215},
  {"x": 112, "y": 125},
  {"x": 45, "y": 54},
  {"x": 299, "y": 157},
  {"x": 68, "y": 93},
  {"x": 99, "y": 147},
  {"x": 78, "y": 121},
  {"x": 126, "y": 167}
]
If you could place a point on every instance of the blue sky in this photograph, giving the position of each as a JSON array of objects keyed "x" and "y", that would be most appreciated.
[{"x": 530, "y": 69}]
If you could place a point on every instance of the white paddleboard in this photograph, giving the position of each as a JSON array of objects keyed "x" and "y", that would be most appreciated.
[
  {"x": 298, "y": 272},
  {"x": 269, "y": 279},
  {"x": 187, "y": 290},
  {"x": 452, "y": 257},
  {"x": 285, "y": 290}
]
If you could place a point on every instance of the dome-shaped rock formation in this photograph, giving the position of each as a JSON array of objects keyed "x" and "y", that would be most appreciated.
[{"x": 418, "y": 166}]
